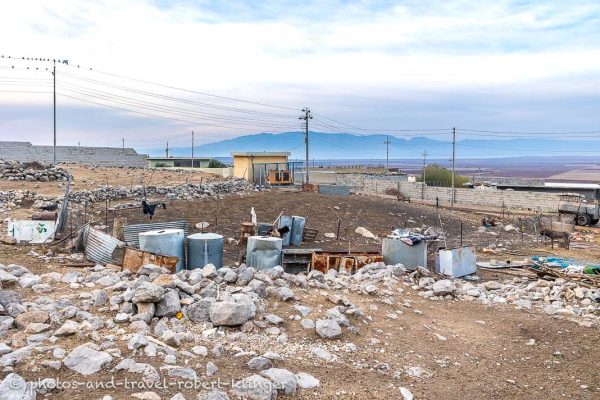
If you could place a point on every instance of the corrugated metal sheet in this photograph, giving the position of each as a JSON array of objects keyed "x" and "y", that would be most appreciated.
[
  {"x": 334, "y": 190},
  {"x": 132, "y": 232},
  {"x": 99, "y": 246}
]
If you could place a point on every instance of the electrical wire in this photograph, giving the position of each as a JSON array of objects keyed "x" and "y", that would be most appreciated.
[{"x": 142, "y": 103}]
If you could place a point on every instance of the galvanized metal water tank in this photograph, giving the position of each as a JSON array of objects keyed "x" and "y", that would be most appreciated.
[
  {"x": 395, "y": 251},
  {"x": 167, "y": 242},
  {"x": 297, "y": 230},
  {"x": 205, "y": 248},
  {"x": 263, "y": 252}
]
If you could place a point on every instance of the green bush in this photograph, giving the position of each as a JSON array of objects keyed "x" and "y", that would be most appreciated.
[
  {"x": 216, "y": 164},
  {"x": 440, "y": 176}
]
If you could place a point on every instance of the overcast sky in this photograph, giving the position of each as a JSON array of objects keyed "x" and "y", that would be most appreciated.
[{"x": 389, "y": 65}]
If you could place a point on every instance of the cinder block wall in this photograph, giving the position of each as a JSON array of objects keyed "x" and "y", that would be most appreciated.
[
  {"x": 537, "y": 201},
  {"x": 101, "y": 156}
]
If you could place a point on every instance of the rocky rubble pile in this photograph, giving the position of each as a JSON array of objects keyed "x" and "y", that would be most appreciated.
[
  {"x": 99, "y": 320},
  {"x": 31, "y": 172},
  {"x": 14, "y": 198},
  {"x": 558, "y": 297},
  {"x": 188, "y": 191},
  {"x": 155, "y": 314}
]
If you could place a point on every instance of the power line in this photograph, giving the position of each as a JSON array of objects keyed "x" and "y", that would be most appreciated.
[
  {"x": 150, "y": 114},
  {"x": 189, "y": 112},
  {"x": 526, "y": 133},
  {"x": 154, "y": 83},
  {"x": 173, "y": 98}
]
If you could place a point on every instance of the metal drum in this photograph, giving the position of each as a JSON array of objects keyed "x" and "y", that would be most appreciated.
[
  {"x": 286, "y": 221},
  {"x": 297, "y": 230},
  {"x": 263, "y": 252},
  {"x": 166, "y": 242},
  {"x": 205, "y": 248}
]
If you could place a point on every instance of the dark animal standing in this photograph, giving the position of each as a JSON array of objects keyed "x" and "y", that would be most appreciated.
[
  {"x": 149, "y": 209},
  {"x": 553, "y": 235}
]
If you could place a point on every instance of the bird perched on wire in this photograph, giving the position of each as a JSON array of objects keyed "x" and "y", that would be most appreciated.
[{"x": 149, "y": 209}]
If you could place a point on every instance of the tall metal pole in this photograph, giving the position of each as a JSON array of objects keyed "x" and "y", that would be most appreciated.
[
  {"x": 192, "y": 149},
  {"x": 307, "y": 115},
  {"x": 123, "y": 141},
  {"x": 54, "y": 93},
  {"x": 387, "y": 152},
  {"x": 167, "y": 149},
  {"x": 453, "y": 164},
  {"x": 423, "y": 177}
]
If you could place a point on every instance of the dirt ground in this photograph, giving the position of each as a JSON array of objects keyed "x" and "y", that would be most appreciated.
[
  {"x": 486, "y": 354},
  {"x": 380, "y": 216},
  {"x": 89, "y": 178}
]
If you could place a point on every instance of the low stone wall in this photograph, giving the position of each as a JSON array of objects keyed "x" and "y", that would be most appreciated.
[
  {"x": 100, "y": 156},
  {"x": 537, "y": 201},
  {"x": 31, "y": 172}
]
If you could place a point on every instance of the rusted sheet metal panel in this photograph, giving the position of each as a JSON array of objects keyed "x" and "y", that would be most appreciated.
[
  {"x": 132, "y": 232},
  {"x": 133, "y": 259},
  {"x": 99, "y": 246},
  {"x": 341, "y": 261}
]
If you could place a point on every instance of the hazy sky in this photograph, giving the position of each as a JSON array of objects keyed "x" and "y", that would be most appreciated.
[{"x": 485, "y": 65}]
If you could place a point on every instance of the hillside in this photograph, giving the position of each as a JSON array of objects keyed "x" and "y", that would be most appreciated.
[{"x": 347, "y": 146}]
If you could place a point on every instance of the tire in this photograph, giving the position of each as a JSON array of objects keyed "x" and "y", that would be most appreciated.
[
  {"x": 594, "y": 221},
  {"x": 583, "y": 219}
]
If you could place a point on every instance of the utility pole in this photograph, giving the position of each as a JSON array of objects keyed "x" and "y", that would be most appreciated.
[
  {"x": 192, "y": 149},
  {"x": 167, "y": 149},
  {"x": 423, "y": 178},
  {"x": 54, "y": 95},
  {"x": 387, "y": 143},
  {"x": 453, "y": 165},
  {"x": 123, "y": 141},
  {"x": 306, "y": 116}
]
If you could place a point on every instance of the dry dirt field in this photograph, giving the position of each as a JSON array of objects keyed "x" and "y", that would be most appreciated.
[
  {"x": 437, "y": 349},
  {"x": 87, "y": 178}
]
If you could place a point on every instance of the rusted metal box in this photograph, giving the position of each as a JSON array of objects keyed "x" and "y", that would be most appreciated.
[
  {"x": 341, "y": 261},
  {"x": 133, "y": 259}
]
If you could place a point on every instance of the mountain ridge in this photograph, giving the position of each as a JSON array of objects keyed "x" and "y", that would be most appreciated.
[{"x": 349, "y": 146}]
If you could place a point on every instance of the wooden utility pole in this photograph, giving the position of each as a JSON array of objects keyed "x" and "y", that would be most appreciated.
[
  {"x": 453, "y": 165},
  {"x": 423, "y": 178},
  {"x": 387, "y": 152},
  {"x": 306, "y": 116},
  {"x": 54, "y": 95}
]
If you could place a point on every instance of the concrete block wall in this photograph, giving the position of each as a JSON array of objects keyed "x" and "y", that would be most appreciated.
[
  {"x": 538, "y": 201},
  {"x": 101, "y": 156},
  {"x": 361, "y": 180}
]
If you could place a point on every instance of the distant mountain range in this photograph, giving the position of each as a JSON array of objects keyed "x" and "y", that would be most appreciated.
[{"x": 326, "y": 146}]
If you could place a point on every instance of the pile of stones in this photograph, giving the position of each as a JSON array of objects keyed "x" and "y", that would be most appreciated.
[
  {"x": 188, "y": 191},
  {"x": 177, "y": 317},
  {"x": 99, "y": 320},
  {"x": 14, "y": 198},
  {"x": 559, "y": 297},
  {"x": 31, "y": 172}
]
